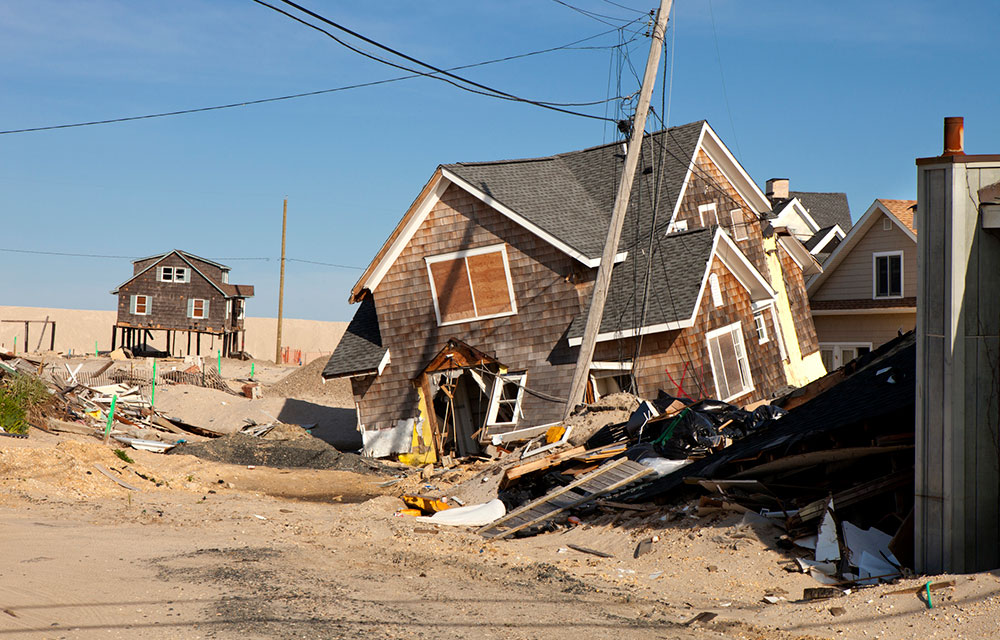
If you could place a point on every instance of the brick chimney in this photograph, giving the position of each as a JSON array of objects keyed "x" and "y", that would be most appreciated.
[{"x": 777, "y": 188}]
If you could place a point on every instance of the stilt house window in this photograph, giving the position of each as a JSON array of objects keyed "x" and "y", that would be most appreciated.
[
  {"x": 140, "y": 305},
  {"x": 197, "y": 308}
]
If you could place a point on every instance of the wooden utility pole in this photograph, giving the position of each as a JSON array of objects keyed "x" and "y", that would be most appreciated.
[
  {"x": 601, "y": 284},
  {"x": 281, "y": 281}
]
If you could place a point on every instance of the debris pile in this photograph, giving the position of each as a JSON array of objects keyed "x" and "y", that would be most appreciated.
[{"x": 833, "y": 471}]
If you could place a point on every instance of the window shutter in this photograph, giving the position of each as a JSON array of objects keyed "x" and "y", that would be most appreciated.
[
  {"x": 159, "y": 274},
  {"x": 131, "y": 304},
  {"x": 713, "y": 281},
  {"x": 149, "y": 305},
  {"x": 190, "y": 308},
  {"x": 204, "y": 309}
]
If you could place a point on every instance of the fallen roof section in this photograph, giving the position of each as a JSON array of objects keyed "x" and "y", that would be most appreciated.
[{"x": 360, "y": 350}]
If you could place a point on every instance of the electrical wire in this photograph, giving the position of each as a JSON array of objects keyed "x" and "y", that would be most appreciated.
[
  {"x": 590, "y": 14},
  {"x": 725, "y": 94},
  {"x": 437, "y": 74},
  {"x": 247, "y": 103},
  {"x": 120, "y": 257}
]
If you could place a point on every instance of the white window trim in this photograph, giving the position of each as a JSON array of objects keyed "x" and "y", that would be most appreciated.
[
  {"x": 520, "y": 379},
  {"x": 134, "y": 299},
  {"x": 716, "y": 288},
  {"x": 204, "y": 309},
  {"x": 496, "y": 248},
  {"x": 738, "y": 326},
  {"x": 161, "y": 271},
  {"x": 902, "y": 279},
  {"x": 678, "y": 225},
  {"x": 837, "y": 347},
  {"x": 229, "y": 308},
  {"x": 739, "y": 224},
  {"x": 705, "y": 208},
  {"x": 761, "y": 327}
]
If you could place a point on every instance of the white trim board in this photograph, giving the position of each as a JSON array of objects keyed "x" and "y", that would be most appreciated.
[
  {"x": 872, "y": 311},
  {"x": 465, "y": 253}
]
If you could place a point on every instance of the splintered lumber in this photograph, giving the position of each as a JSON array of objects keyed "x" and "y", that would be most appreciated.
[
  {"x": 70, "y": 427},
  {"x": 854, "y": 495},
  {"x": 552, "y": 460},
  {"x": 602, "y": 453},
  {"x": 608, "y": 477}
]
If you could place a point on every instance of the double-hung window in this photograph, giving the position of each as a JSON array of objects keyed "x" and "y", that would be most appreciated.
[
  {"x": 173, "y": 274},
  {"x": 761, "y": 324},
  {"x": 730, "y": 366},
  {"x": 471, "y": 285},
  {"x": 739, "y": 225},
  {"x": 887, "y": 274},
  {"x": 505, "y": 404},
  {"x": 197, "y": 308},
  {"x": 141, "y": 305}
]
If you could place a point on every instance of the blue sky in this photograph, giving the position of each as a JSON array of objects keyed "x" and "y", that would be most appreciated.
[{"x": 835, "y": 96}]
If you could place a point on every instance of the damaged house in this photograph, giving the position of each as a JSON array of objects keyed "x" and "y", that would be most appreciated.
[{"x": 471, "y": 314}]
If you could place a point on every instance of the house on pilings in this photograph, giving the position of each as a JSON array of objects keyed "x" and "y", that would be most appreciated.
[
  {"x": 180, "y": 293},
  {"x": 471, "y": 314}
]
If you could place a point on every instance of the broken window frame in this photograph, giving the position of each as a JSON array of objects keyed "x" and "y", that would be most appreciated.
[
  {"x": 731, "y": 337},
  {"x": 191, "y": 308},
  {"x": 464, "y": 255},
  {"x": 146, "y": 305},
  {"x": 886, "y": 259},
  {"x": 501, "y": 380},
  {"x": 706, "y": 208}
]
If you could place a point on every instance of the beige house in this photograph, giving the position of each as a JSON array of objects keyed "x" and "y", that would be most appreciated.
[{"x": 867, "y": 292}]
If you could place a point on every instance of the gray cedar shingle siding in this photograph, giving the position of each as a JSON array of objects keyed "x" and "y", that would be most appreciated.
[{"x": 360, "y": 349}]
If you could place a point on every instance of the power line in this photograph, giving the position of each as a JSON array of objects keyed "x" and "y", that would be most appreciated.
[
  {"x": 120, "y": 257},
  {"x": 593, "y": 15},
  {"x": 725, "y": 94},
  {"x": 455, "y": 79},
  {"x": 246, "y": 103}
]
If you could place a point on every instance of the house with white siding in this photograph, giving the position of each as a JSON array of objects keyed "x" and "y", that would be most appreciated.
[{"x": 867, "y": 292}]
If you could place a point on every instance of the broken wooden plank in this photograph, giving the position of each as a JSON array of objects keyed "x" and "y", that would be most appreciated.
[
  {"x": 117, "y": 480},
  {"x": 944, "y": 584},
  {"x": 544, "y": 463},
  {"x": 593, "y": 552}
]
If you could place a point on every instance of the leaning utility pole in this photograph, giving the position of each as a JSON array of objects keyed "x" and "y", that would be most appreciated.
[
  {"x": 281, "y": 282},
  {"x": 601, "y": 284}
]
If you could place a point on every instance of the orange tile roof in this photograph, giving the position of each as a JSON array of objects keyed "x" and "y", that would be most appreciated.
[{"x": 902, "y": 209}]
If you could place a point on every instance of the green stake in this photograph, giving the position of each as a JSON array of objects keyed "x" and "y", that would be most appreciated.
[
  {"x": 251, "y": 371},
  {"x": 152, "y": 394},
  {"x": 95, "y": 347},
  {"x": 111, "y": 417},
  {"x": 15, "y": 345},
  {"x": 930, "y": 605},
  {"x": 219, "y": 353}
]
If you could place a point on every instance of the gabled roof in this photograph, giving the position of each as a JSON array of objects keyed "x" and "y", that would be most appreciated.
[
  {"x": 874, "y": 213},
  {"x": 904, "y": 211},
  {"x": 827, "y": 209},
  {"x": 679, "y": 270},
  {"x": 360, "y": 350},
  {"x": 227, "y": 290},
  {"x": 567, "y": 199},
  {"x": 186, "y": 254}
]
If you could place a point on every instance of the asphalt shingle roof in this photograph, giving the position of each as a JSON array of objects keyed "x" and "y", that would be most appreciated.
[
  {"x": 677, "y": 270},
  {"x": 827, "y": 209},
  {"x": 570, "y": 196},
  {"x": 819, "y": 235},
  {"x": 360, "y": 349}
]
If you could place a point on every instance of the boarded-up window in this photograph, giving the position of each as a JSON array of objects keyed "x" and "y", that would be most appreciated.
[
  {"x": 730, "y": 366},
  {"x": 471, "y": 285}
]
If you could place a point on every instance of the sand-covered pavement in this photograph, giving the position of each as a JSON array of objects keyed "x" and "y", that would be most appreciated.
[{"x": 210, "y": 550}]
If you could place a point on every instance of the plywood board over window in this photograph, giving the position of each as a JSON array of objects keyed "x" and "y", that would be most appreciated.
[{"x": 471, "y": 285}]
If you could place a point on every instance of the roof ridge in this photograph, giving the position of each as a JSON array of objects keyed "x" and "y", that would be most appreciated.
[{"x": 563, "y": 154}]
